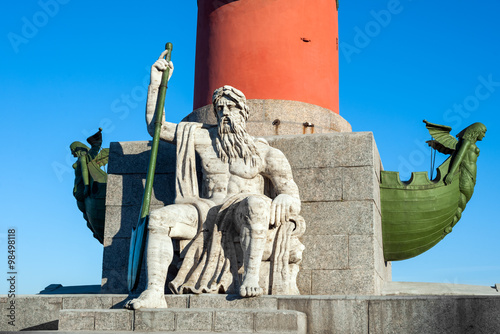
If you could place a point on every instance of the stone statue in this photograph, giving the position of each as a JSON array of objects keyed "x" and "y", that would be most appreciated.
[
  {"x": 231, "y": 207},
  {"x": 90, "y": 182}
]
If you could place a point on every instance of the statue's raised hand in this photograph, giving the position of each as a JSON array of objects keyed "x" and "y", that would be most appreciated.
[{"x": 159, "y": 67}]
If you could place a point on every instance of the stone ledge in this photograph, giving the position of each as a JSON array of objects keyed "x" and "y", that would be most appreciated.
[
  {"x": 191, "y": 319},
  {"x": 263, "y": 112},
  {"x": 325, "y": 314}
]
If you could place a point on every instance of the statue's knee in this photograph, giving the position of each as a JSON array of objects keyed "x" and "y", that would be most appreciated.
[
  {"x": 257, "y": 207},
  {"x": 160, "y": 220}
]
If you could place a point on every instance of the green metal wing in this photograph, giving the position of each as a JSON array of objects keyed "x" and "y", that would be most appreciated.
[
  {"x": 102, "y": 158},
  {"x": 443, "y": 142}
]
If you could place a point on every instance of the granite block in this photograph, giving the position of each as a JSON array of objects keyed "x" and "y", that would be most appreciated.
[
  {"x": 425, "y": 315},
  {"x": 319, "y": 184},
  {"x": 264, "y": 112},
  {"x": 239, "y": 321},
  {"x": 325, "y": 252},
  {"x": 282, "y": 321},
  {"x": 339, "y": 217},
  {"x": 114, "y": 320},
  {"x": 177, "y": 301},
  {"x": 76, "y": 320},
  {"x": 330, "y": 314},
  {"x": 359, "y": 150},
  {"x": 362, "y": 252},
  {"x": 128, "y": 189},
  {"x": 89, "y": 302},
  {"x": 116, "y": 252},
  {"x": 120, "y": 300},
  {"x": 153, "y": 320},
  {"x": 194, "y": 320},
  {"x": 45, "y": 316},
  {"x": 304, "y": 281},
  {"x": 133, "y": 157},
  {"x": 119, "y": 221},
  {"x": 360, "y": 183},
  {"x": 310, "y": 151},
  {"x": 207, "y": 301},
  {"x": 343, "y": 282}
]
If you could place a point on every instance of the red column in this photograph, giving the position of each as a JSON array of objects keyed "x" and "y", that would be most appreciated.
[{"x": 269, "y": 49}]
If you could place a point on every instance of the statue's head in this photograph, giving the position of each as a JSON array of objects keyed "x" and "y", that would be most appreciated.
[
  {"x": 473, "y": 132},
  {"x": 230, "y": 108},
  {"x": 78, "y": 149}
]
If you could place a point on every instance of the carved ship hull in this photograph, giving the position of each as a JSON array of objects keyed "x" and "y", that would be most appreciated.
[
  {"x": 418, "y": 213},
  {"x": 95, "y": 204}
]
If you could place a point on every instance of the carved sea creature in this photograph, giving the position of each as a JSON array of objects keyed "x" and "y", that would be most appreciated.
[{"x": 419, "y": 213}]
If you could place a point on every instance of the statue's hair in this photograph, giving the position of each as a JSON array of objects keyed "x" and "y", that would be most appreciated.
[
  {"x": 76, "y": 144},
  {"x": 235, "y": 95},
  {"x": 472, "y": 131}
]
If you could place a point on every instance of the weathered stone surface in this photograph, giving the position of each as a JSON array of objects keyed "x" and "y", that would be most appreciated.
[
  {"x": 232, "y": 302},
  {"x": 339, "y": 217},
  {"x": 362, "y": 251},
  {"x": 133, "y": 157},
  {"x": 344, "y": 282},
  {"x": 264, "y": 112},
  {"x": 326, "y": 252},
  {"x": 194, "y": 320},
  {"x": 128, "y": 189},
  {"x": 238, "y": 321},
  {"x": 311, "y": 151},
  {"x": 360, "y": 150},
  {"x": 154, "y": 320},
  {"x": 77, "y": 320},
  {"x": 426, "y": 315},
  {"x": 325, "y": 314},
  {"x": 116, "y": 253},
  {"x": 114, "y": 320},
  {"x": 45, "y": 317},
  {"x": 319, "y": 184},
  {"x": 304, "y": 281},
  {"x": 120, "y": 220},
  {"x": 360, "y": 183},
  {"x": 280, "y": 321},
  {"x": 91, "y": 302},
  {"x": 330, "y": 314}
]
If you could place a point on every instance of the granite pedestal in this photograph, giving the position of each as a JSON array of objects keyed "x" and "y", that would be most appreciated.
[{"x": 338, "y": 179}]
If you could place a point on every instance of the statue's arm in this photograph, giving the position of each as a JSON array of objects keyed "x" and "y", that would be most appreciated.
[
  {"x": 167, "y": 129},
  {"x": 457, "y": 160},
  {"x": 279, "y": 171},
  {"x": 85, "y": 175}
]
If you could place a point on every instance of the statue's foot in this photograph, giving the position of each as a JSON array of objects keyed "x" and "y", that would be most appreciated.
[
  {"x": 150, "y": 298},
  {"x": 250, "y": 287}
]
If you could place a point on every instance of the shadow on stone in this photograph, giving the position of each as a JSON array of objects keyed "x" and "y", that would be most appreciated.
[{"x": 51, "y": 325}]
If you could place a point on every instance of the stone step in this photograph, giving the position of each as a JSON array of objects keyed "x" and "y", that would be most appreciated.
[{"x": 180, "y": 320}]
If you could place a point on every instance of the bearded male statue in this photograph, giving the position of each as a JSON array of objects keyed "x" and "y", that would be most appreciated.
[{"x": 230, "y": 208}]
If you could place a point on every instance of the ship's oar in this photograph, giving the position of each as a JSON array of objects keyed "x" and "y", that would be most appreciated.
[{"x": 138, "y": 237}]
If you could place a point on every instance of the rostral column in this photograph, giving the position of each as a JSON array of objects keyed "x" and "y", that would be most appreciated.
[{"x": 282, "y": 54}]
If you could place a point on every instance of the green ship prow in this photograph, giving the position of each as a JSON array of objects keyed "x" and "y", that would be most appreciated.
[{"x": 418, "y": 213}]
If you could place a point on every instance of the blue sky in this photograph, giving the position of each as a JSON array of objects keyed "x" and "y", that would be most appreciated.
[{"x": 70, "y": 66}]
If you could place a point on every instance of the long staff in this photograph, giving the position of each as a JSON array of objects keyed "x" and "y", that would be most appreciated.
[{"x": 139, "y": 235}]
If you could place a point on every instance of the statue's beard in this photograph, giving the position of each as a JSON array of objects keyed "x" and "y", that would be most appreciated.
[{"x": 235, "y": 142}]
